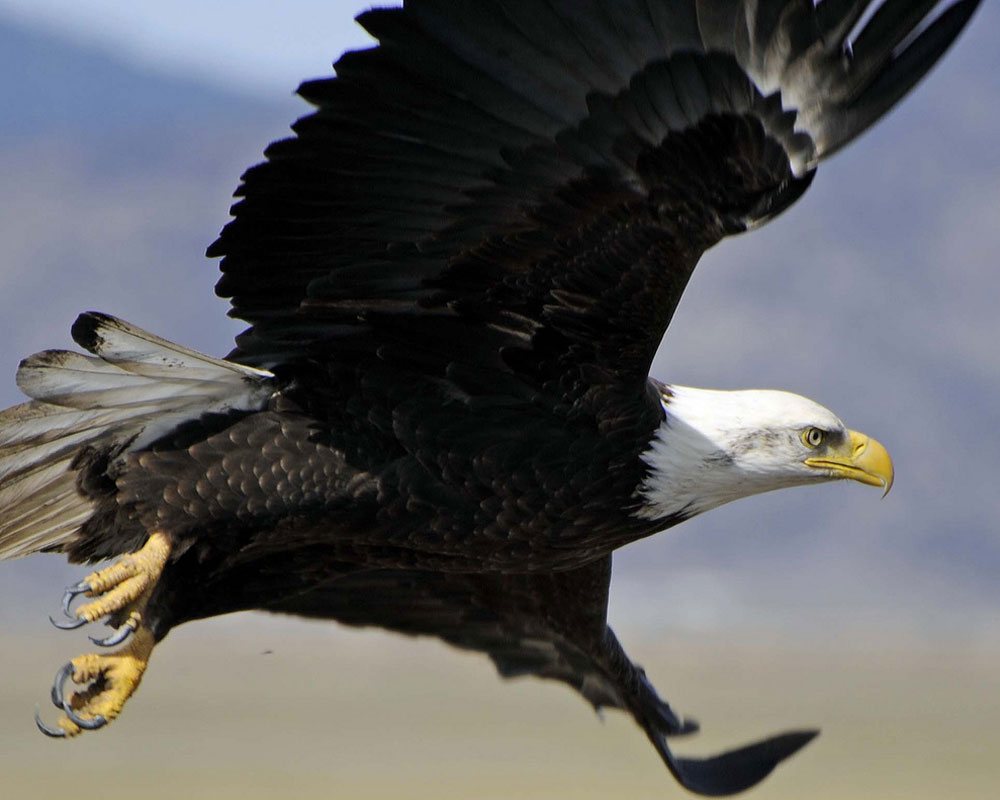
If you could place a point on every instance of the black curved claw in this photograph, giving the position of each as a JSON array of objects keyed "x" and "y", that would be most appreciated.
[
  {"x": 70, "y": 593},
  {"x": 78, "y": 622},
  {"x": 117, "y": 637},
  {"x": 87, "y": 724},
  {"x": 59, "y": 700},
  {"x": 65, "y": 671},
  {"x": 55, "y": 733}
]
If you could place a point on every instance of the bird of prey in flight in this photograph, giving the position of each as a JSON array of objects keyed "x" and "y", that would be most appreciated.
[{"x": 456, "y": 273}]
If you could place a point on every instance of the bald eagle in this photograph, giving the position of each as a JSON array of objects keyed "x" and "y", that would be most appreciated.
[{"x": 456, "y": 273}]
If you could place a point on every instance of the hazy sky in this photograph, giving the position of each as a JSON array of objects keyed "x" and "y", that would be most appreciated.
[{"x": 261, "y": 46}]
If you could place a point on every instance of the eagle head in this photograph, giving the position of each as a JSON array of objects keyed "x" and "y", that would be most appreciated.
[{"x": 716, "y": 446}]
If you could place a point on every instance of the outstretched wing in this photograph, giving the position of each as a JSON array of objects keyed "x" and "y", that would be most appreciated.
[
  {"x": 548, "y": 625},
  {"x": 525, "y": 186},
  {"x": 499, "y": 614}
]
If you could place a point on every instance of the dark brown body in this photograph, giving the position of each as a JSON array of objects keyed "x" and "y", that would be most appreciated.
[{"x": 270, "y": 505}]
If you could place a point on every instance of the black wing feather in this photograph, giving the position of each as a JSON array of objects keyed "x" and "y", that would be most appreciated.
[
  {"x": 561, "y": 164},
  {"x": 548, "y": 626}
]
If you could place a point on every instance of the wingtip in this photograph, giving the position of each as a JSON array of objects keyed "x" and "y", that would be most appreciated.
[
  {"x": 900, "y": 72},
  {"x": 735, "y": 770}
]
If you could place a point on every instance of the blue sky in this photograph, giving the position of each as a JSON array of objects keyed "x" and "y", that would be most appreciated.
[{"x": 257, "y": 46}]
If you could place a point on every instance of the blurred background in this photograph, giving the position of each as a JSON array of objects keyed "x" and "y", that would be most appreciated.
[{"x": 123, "y": 131}]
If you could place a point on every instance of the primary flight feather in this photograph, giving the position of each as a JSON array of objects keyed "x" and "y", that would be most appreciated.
[{"x": 440, "y": 420}]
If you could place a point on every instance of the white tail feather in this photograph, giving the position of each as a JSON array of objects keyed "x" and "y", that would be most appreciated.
[
  {"x": 139, "y": 351},
  {"x": 135, "y": 388}
]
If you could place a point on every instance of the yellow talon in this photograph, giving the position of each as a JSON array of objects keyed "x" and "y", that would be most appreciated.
[
  {"x": 112, "y": 678},
  {"x": 109, "y": 680},
  {"x": 128, "y": 581}
]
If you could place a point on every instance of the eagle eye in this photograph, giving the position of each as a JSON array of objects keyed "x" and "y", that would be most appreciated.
[{"x": 813, "y": 437}]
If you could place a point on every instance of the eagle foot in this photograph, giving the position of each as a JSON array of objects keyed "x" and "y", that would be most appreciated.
[
  {"x": 121, "y": 591},
  {"x": 109, "y": 680}
]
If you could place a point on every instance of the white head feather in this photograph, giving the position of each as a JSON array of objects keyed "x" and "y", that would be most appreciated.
[{"x": 718, "y": 446}]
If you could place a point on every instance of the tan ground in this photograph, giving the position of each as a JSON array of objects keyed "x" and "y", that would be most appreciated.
[{"x": 250, "y": 708}]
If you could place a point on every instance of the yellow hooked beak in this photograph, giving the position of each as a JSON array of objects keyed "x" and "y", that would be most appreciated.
[{"x": 859, "y": 458}]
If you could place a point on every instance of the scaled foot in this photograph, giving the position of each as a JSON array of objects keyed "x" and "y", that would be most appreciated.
[
  {"x": 110, "y": 680},
  {"x": 120, "y": 593}
]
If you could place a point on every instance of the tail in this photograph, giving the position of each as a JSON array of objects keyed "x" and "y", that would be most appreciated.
[{"x": 132, "y": 389}]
